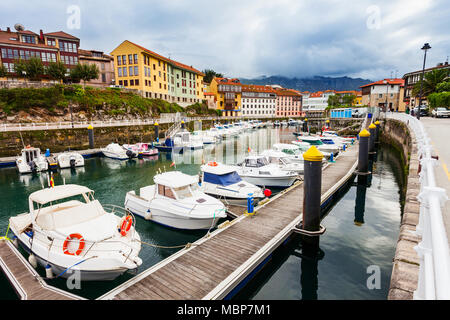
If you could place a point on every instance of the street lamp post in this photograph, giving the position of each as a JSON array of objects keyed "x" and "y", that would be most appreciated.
[{"x": 425, "y": 47}]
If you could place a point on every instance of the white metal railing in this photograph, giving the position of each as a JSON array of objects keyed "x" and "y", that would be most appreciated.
[{"x": 433, "y": 250}]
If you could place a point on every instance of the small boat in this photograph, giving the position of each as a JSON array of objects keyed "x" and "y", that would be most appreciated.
[
  {"x": 176, "y": 200},
  {"x": 51, "y": 159},
  {"x": 304, "y": 141},
  {"x": 334, "y": 135},
  {"x": 116, "y": 151},
  {"x": 182, "y": 140},
  {"x": 284, "y": 123},
  {"x": 31, "y": 160},
  {"x": 277, "y": 123},
  {"x": 70, "y": 159},
  {"x": 294, "y": 152},
  {"x": 283, "y": 160},
  {"x": 257, "y": 170},
  {"x": 223, "y": 182},
  {"x": 203, "y": 137},
  {"x": 142, "y": 149},
  {"x": 68, "y": 230}
]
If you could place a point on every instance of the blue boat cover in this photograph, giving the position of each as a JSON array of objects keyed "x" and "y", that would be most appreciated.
[{"x": 224, "y": 179}]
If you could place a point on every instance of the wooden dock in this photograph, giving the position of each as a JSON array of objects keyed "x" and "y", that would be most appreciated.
[
  {"x": 213, "y": 267},
  {"x": 25, "y": 280}
]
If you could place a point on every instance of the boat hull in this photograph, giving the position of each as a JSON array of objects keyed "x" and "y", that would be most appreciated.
[{"x": 270, "y": 181}]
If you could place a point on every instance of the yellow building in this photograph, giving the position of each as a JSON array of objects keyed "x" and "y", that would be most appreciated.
[
  {"x": 156, "y": 76},
  {"x": 228, "y": 93}
]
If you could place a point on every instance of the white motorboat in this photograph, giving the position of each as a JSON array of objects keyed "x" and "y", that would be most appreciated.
[
  {"x": 203, "y": 137},
  {"x": 70, "y": 159},
  {"x": 294, "y": 152},
  {"x": 175, "y": 200},
  {"x": 142, "y": 149},
  {"x": 223, "y": 182},
  {"x": 257, "y": 170},
  {"x": 68, "y": 230},
  {"x": 116, "y": 151},
  {"x": 283, "y": 160},
  {"x": 183, "y": 141},
  {"x": 333, "y": 134},
  {"x": 304, "y": 141},
  {"x": 31, "y": 160}
]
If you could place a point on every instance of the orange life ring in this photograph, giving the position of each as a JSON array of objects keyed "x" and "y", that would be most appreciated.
[
  {"x": 80, "y": 246},
  {"x": 126, "y": 225},
  {"x": 212, "y": 164}
]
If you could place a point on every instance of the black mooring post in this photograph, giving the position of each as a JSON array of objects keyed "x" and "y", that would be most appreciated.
[
  {"x": 312, "y": 185},
  {"x": 156, "y": 131},
  {"x": 182, "y": 125},
  {"x": 377, "y": 131},
  {"x": 91, "y": 137},
  {"x": 305, "y": 125},
  {"x": 363, "y": 156},
  {"x": 372, "y": 129}
]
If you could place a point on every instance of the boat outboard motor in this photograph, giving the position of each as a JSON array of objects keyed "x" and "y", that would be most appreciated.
[
  {"x": 130, "y": 154},
  {"x": 33, "y": 166},
  {"x": 72, "y": 162}
]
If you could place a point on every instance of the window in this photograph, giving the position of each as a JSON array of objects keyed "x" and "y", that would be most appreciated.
[
  {"x": 28, "y": 39},
  {"x": 136, "y": 73},
  {"x": 131, "y": 82},
  {"x": 165, "y": 191},
  {"x": 119, "y": 72},
  {"x": 120, "y": 82},
  {"x": 136, "y": 82},
  {"x": 103, "y": 66},
  {"x": 135, "y": 59},
  {"x": 103, "y": 77},
  {"x": 124, "y": 59},
  {"x": 125, "y": 82},
  {"x": 130, "y": 59},
  {"x": 51, "y": 42},
  {"x": 131, "y": 71},
  {"x": 124, "y": 71}
]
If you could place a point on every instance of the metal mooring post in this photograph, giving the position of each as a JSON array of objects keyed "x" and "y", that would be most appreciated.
[
  {"x": 182, "y": 124},
  {"x": 372, "y": 129},
  {"x": 305, "y": 125},
  {"x": 377, "y": 131},
  {"x": 156, "y": 131},
  {"x": 360, "y": 204},
  {"x": 91, "y": 136},
  {"x": 312, "y": 185},
  {"x": 363, "y": 156}
]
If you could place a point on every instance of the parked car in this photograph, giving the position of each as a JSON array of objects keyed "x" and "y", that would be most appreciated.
[
  {"x": 423, "y": 111},
  {"x": 440, "y": 112}
]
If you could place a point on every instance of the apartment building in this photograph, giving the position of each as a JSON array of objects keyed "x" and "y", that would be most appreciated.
[
  {"x": 155, "y": 76},
  {"x": 258, "y": 100},
  {"x": 317, "y": 101},
  {"x": 228, "y": 93},
  {"x": 383, "y": 93},
  {"x": 288, "y": 102},
  {"x": 49, "y": 47},
  {"x": 104, "y": 63}
]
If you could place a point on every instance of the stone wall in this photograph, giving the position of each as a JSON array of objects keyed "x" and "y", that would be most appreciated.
[{"x": 405, "y": 270}]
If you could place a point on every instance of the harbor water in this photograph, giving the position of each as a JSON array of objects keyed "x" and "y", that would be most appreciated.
[{"x": 348, "y": 248}]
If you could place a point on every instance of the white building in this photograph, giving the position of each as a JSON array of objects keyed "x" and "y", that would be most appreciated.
[
  {"x": 316, "y": 101},
  {"x": 258, "y": 101}
]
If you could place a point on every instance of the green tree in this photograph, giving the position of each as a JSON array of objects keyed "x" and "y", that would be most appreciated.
[
  {"x": 443, "y": 87},
  {"x": 348, "y": 100},
  {"x": 439, "y": 99},
  {"x": 3, "y": 71},
  {"x": 84, "y": 72},
  {"x": 32, "y": 69},
  {"x": 334, "y": 100},
  {"x": 430, "y": 82},
  {"x": 56, "y": 70},
  {"x": 210, "y": 74}
]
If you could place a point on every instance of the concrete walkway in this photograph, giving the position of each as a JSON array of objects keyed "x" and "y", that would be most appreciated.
[{"x": 439, "y": 132}]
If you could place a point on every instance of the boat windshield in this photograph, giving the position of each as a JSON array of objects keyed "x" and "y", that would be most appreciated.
[
  {"x": 292, "y": 151},
  {"x": 223, "y": 179},
  {"x": 256, "y": 163},
  {"x": 183, "y": 192},
  {"x": 313, "y": 142}
]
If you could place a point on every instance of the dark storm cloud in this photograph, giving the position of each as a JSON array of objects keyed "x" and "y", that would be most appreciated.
[{"x": 249, "y": 38}]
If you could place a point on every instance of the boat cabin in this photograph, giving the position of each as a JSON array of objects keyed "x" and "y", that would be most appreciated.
[
  {"x": 220, "y": 174},
  {"x": 29, "y": 154},
  {"x": 174, "y": 185}
]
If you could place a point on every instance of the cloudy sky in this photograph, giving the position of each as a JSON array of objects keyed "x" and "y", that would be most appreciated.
[{"x": 251, "y": 38}]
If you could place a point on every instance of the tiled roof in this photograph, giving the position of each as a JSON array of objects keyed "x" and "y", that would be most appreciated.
[
  {"x": 287, "y": 92},
  {"x": 228, "y": 81},
  {"x": 61, "y": 34},
  {"x": 256, "y": 88},
  {"x": 384, "y": 82},
  {"x": 5, "y": 38},
  {"x": 209, "y": 93}
]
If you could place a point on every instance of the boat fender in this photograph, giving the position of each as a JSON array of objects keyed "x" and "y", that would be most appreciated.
[
  {"x": 130, "y": 154},
  {"x": 212, "y": 164},
  {"x": 126, "y": 225},
  {"x": 72, "y": 163},
  {"x": 48, "y": 271},
  {"x": 148, "y": 215},
  {"x": 81, "y": 244},
  {"x": 32, "y": 260}
]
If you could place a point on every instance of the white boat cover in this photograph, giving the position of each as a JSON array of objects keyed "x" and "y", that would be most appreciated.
[{"x": 58, "y": 192}]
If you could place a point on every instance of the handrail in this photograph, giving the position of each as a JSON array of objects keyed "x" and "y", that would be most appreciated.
[{"x": 433, "y": 250}]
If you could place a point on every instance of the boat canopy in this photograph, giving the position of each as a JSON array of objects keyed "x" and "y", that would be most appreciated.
[
  {"x": 175, "y": 179},
  {"x": 222, "y": 179},
  {"x": 58, "y": 192}
]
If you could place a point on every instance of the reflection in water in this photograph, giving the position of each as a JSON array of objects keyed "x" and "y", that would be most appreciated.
[{"x": 338, "y": 268}]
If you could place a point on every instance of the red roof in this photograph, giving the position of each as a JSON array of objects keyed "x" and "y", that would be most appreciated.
[
  {"x": 256, "y": 88},
  {"x": 228, "y": 81},
  {"x": 61, "y": 34},
  {"x": 317, "y": 94},
  {"x": 384, "y": 82},
  {"x": 209, "y": 93},
  {"x": 5, "y": 37}
]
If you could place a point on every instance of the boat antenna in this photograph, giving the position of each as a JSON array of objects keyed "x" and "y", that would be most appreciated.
[
  {"x": 22, "y": 139},
  {"x": 48, "y": 180},
  {"x": 64, "y": 180},
  {"x": 42, "y": 182}
]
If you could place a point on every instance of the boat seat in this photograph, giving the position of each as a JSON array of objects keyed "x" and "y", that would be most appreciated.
[{"x": 20, "y": 222}]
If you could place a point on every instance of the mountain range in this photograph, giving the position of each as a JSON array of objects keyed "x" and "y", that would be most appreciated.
[{"x": 316, "y": 83}]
